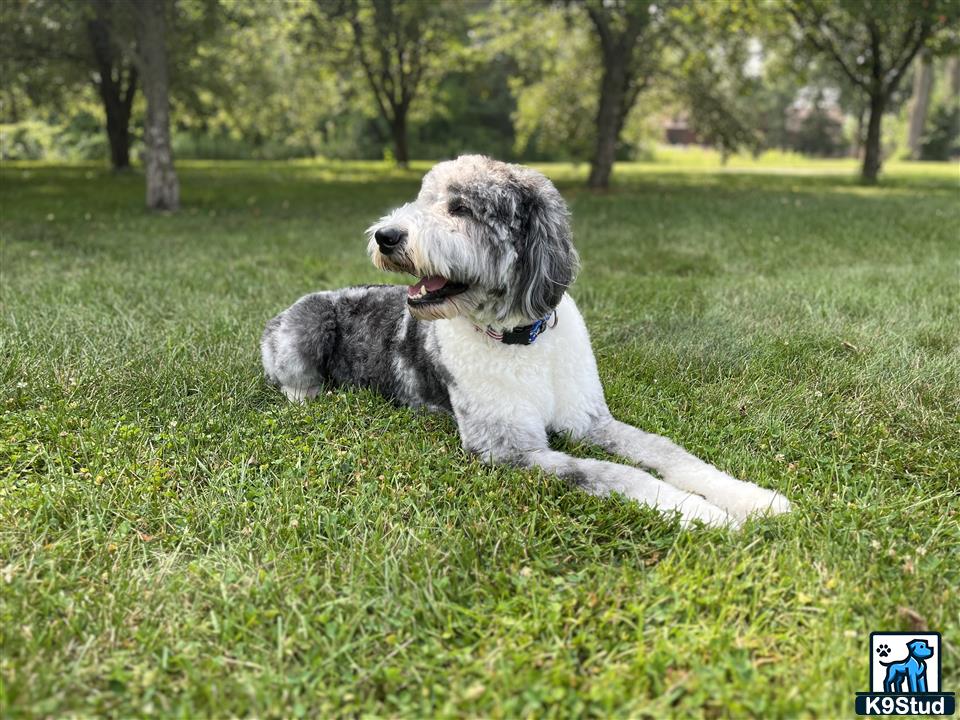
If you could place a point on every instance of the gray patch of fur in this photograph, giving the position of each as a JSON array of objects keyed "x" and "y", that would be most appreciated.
[{"x": 352, "y": 337}]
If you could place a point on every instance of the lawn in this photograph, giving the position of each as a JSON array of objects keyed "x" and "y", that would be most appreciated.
[{"x": 175, "y": 540}]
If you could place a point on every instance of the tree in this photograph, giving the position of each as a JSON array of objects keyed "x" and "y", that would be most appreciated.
[
  {"x": 115, "y": 79},
  {"x": 713, "y": 69},
  {"x": 623, "y": 29},
  {"x": 54, "y": 48},
  {"x": 253, "y": 85},
  {"x": 554, "y": 73},
  {"x": 163, "y": 188},
  {"x": 873, "y": 43},
  {"x": 953, "y": 73},
  {"x": 941, "y": 135},
  {"x": 691, "y": 55},
  {"x": 920, "y": 102},
  {"x": 397, "y": 44}
]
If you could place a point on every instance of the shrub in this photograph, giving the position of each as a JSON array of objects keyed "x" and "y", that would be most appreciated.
[
  {"x": 940, "y": 142},
  {"x": 27, "y": 140}
]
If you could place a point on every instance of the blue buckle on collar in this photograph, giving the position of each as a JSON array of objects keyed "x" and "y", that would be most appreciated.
[{"x": 526, "y": 334}]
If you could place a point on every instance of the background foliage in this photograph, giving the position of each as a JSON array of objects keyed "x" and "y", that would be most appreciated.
[{"x": 509, "y": 78}]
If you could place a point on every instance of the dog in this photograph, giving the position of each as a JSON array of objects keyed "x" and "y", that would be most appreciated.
[
  {"x": 913, "y": 669},
  {"x": 489, "y": 334}
]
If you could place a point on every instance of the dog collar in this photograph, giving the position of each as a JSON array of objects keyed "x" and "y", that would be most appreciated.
[{"x": 522, "y": 334}]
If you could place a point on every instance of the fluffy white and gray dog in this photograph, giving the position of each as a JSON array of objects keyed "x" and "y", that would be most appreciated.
[{"x": 489, "y": 334}]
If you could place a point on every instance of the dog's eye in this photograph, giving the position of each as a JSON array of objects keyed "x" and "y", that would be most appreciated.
[{"x": 459, "y": 208}]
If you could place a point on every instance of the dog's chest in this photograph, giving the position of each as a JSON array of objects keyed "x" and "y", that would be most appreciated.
[{"x": 554, "y": 378}]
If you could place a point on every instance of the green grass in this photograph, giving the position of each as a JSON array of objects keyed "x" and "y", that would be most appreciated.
[{"x": 177, "y": 541}]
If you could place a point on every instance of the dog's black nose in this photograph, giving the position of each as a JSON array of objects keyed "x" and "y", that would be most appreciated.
[{"x": 388, "y": 239}]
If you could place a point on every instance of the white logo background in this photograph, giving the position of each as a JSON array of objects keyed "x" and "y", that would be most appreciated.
[{"x": 897, "y": 642}]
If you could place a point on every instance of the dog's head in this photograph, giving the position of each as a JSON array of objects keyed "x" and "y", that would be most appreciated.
[
  {"x": 485, "y": 239},
  {"x": 920, "y": 649}
]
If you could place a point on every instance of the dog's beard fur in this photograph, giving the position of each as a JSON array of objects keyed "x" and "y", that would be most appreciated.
[
  {"x": 440, "y": 247},
  {"x": 447, "y": 310},
  {"x": 465, "y": 304}
]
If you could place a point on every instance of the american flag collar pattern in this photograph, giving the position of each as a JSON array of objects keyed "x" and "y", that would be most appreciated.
[{"x": 523, "y": 334}]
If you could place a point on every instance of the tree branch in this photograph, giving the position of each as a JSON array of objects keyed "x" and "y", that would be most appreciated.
[
  {"x": 131, "y": 89},
  {"x": 636, "y": 21},
  {"x": 600, "y": 21},
  {"x": 630, "y": 97},
  {"x": 925, "y": 31},
  {"x": 826, "y": 47},
  {"x": 876, "y": 68},
  {"x": 416, "y": 73},
  {"x": 367, "y": 67}
]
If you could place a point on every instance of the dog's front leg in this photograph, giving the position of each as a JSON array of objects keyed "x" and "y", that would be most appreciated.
[
  {"x": 500, "y": 441},
  {"x": 599, "y": 477},
  {"x": 684, "y": 470}
]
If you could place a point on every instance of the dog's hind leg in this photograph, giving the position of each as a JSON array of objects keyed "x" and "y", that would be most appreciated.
[
  {"x": 685, "y": 471},
  {"x": 295, "y": 345}
]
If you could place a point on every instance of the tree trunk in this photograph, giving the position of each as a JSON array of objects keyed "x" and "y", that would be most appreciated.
[
  {"x": 953, "y": 75},
  {"x": 858, "y": 140},
  {"x": 920, "y": 103},
  {"x": 610, "y": 117},
  {"x": 872, "y": 147},
  {"x": 398, "y": 128},
  {"x": 953, "y": 80},
  {"x": 117, "y": 100},
  {"x": 117, "y": 108},
  {"x": 163, "y": 189},
  {"x": 118, "y": 133}
]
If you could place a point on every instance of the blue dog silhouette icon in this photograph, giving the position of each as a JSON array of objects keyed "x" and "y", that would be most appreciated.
[{"x": 912, "y": 668}]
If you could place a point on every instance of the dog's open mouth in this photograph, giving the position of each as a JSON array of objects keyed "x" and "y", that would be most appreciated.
[{"x": 433, "y": 289}]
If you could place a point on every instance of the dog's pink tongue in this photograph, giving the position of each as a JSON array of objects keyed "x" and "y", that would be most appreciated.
[{"x": 432, "y": 283}]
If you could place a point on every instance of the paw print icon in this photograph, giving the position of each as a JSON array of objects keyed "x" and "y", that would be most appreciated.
[{"x": 883, "y": 650}]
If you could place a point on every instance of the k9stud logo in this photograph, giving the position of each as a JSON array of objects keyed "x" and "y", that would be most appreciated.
[{"x": 905, "y": 671}]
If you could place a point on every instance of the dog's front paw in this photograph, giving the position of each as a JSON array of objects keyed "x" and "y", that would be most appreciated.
[
  {"x": 778, "y": 505},
  {"x": 758, "y": 501},
  {"x": 299, "y": 394},
  {"x": 694, "y": 508}
]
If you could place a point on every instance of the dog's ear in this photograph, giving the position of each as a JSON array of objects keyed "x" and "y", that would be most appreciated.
[{"x": 547, "y": 262}]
